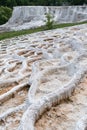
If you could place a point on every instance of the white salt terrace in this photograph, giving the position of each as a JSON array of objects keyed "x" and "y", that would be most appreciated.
[
  {"x": 51, "y": 80},
  {"x": 26, "y": 17},
  {"x": 38, "y": 66},
  {"x": 66, "y": 115}
]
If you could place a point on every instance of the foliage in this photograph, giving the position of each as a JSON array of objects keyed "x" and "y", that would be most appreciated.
[
  {"x": 49, "y": 21},
  {"x": 5, "y": 14},
  {"x": 11, "y": 3},
  {"x": 78, "y": 2}
]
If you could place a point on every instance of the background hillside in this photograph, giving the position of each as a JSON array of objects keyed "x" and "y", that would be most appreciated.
[{"x": 11, "y": 3}]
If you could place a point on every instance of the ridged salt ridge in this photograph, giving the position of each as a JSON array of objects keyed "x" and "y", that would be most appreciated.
[
  {"x": 37, "y": 76},
  {"x": 37, "y": 109},
  {"x": 12, "y": 110}
]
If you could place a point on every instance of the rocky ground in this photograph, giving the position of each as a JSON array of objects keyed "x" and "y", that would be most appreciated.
[
  {"x": 65, "y": 115},
  {"x": 40, "y": 65}
]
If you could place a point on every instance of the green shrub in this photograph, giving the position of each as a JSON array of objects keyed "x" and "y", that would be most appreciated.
[
  {"x": 5, "y": 14},
  {"x": 49, "y": 21}
]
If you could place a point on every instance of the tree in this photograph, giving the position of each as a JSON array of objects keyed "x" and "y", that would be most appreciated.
[
  {"x": 49, "y": 21},
  {"x": 11, "y": 3},
  {"x": 78, "y": 2},
  {"x": 5, "y": 14}
]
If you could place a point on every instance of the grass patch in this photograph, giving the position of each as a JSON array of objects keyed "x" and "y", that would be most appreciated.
[
  {"x": 68, "y": 24},
  {"x": 11, "y": 34}
]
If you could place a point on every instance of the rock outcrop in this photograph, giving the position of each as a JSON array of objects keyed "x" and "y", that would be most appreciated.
[{"x": 25, "y": 17}]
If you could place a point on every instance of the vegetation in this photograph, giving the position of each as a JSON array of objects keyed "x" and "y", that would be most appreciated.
[
  {"x": 11, "y": 3},
  {"x": 5, "y": 14},
  {"x": 49, "y": 21},
  {"x": 17, "y": 33}
]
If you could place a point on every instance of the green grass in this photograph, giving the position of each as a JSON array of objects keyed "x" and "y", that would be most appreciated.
[
  {"x": 18, "y": 33},
  {"x": 29, "y": 31},
  {"x": 68, "y": 24}
]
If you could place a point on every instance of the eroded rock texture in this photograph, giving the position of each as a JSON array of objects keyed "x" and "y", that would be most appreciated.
[
  {"x": 44, "y": 71},
  {"x": 26, "y": 17}
]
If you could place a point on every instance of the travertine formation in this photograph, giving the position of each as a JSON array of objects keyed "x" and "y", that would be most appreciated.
[
  {"x": 40, "y": 71},
  {"x": 26, "y": 17}
]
